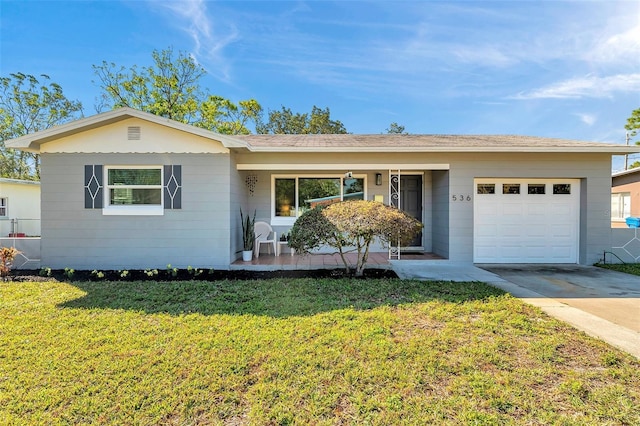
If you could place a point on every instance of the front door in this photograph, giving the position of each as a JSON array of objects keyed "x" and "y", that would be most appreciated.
[{"x": 411, "y": 201}]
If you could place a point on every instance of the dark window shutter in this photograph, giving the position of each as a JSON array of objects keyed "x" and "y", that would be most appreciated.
[
  {"x": 93, "y": 186},
  {"x": 172, "y": 187}
]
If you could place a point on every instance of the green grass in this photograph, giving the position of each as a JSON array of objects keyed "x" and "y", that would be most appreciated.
[
  {"x": 300, "y": 352},
  {"x": 629, "y": 268}
]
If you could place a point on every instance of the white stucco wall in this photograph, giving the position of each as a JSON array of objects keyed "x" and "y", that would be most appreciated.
[{"x": 23, "y": 205}]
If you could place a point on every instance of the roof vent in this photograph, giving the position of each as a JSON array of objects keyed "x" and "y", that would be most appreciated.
[{"x": 133, "y": 133}]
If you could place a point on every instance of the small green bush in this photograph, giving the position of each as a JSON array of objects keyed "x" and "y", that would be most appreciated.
[
  {"x": 97, "y": 274},
  {"x": 69, "y": 272},
  {"x": 151, "y": 272}
]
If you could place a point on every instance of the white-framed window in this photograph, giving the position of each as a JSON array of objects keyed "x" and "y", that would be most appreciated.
[
  {"x": 620, "y": 205},
  {"x": 4, "y": 212},
  {"x": 133, "y": 190},
  {"x": 292, "y": 195}
]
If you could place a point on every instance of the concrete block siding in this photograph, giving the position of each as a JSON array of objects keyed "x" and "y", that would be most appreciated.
[{"x": 197, "y": 234}]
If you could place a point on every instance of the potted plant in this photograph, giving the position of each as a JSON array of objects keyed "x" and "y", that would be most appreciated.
[{"x": 248, "y": 236}]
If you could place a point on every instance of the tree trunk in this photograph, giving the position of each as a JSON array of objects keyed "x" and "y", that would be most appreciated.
[{"x": 362, "y": 258}]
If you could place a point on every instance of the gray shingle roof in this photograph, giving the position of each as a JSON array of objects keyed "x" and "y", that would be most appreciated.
[{"x": 332, "y": 143}]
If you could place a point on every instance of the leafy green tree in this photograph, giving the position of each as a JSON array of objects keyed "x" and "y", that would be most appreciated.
[
  {"x": 285, "y": 122},
  {"x": 171, "y": 88},
  {"x": 633, "y": 126},
  {"x": 396, "y": 129},
  {"x": 28, "y": 106},
  {"x": 633, "y": 123},
  {"x": 225, "y": 117},
  {"x": 352, "y": 226}
]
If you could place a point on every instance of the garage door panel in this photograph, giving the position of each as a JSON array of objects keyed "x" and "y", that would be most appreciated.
[
  {"x": 537, "y": 252},
  {"x": 487, "y": 231},
  {"x": 564, "y": 254},
  {"x": 563, "y": 209},
  {"x": 535, "y": 231},
  {"x": 487, "y": 210},
  {"x": 510, "y": 231},
  {"x": 527, "y": 227},
  {"x": 562, "y": 232},
  {"x": 537, "y": 210},
  {"x": 536, "y": 242},
  {"x": 511, "y": 252},
  {"x": 512, "y": 209}
]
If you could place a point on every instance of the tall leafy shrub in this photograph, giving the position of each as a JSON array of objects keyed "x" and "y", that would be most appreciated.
[{"x": 353, "y": 226}]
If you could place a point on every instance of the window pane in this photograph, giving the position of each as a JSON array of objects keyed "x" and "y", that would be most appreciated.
[
  {"x": 620, "y": 205},
  {"x": 536, "y": 188},
  {"x": 285, "y": 197},
  {"x": 314, "y": 192},
  {"x": 135, "y": 177},
  {"x": 562, "y": 188},
  {"x": 133, "y": 196},
  {"x": 626, "y": 205},
  {"x": 615, "y": 206},
  {"x": 353, "y": 189},
  {"x": 486, "y": 188},
  {"x": 3, "y": 207},
  {"x": 511, "y": 188}
]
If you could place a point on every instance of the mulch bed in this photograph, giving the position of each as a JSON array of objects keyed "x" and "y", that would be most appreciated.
[{"x": 24, "y": 275}]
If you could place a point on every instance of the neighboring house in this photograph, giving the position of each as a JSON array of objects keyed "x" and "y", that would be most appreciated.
[
  {"x": 19, "y": 208},
  {"x": 625, "y": 196},
  {"x": 126, "y": 189}
]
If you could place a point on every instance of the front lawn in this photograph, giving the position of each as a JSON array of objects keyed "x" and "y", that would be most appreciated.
[
  {"x": 629, "y": 268},
  {"x": 300, "y": 351}
]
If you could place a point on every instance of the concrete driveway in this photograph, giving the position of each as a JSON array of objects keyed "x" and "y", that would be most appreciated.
[{"x": 601, "y": 302}]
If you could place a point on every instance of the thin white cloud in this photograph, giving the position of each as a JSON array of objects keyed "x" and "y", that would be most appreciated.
[
  {"x": 209, "y": 41},
  {"x": 618, "y": 47},
  {"x": 585, "y": 87},
  {"x": 588, "y": 119}
]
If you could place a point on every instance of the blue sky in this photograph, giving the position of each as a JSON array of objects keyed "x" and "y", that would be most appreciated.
[{"x": 544, "y": 68}]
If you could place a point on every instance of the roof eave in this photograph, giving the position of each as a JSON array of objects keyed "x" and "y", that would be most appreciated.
[
  {"x": 626, "y": 172},
  {"x": 33, "y": 141},
  {"x": 613, "y": 150}
]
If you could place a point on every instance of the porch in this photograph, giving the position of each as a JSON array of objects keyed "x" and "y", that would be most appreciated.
[
  {"x": 280, "y": 193},
  {"x": 269, "y": 262}
]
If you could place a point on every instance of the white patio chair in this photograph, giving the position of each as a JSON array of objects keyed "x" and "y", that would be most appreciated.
[{"x": 265, "y": 235}]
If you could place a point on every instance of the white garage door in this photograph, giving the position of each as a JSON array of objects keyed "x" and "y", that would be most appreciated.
[{"x": 526, "y": 220}]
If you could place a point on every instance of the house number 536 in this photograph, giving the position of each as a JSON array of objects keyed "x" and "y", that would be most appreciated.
[{"x": 461, "y": 197}]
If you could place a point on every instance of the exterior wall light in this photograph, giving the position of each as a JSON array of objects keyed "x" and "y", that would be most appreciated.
[{"x": 378, "y": 179}]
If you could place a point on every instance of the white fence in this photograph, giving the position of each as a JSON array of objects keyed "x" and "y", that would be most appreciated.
[{"x": 23, "y": 227}]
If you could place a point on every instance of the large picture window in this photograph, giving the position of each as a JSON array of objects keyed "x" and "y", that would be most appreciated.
[
  {"x": 131, "y": 189},
  {"x": 293, "y": 195}
]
